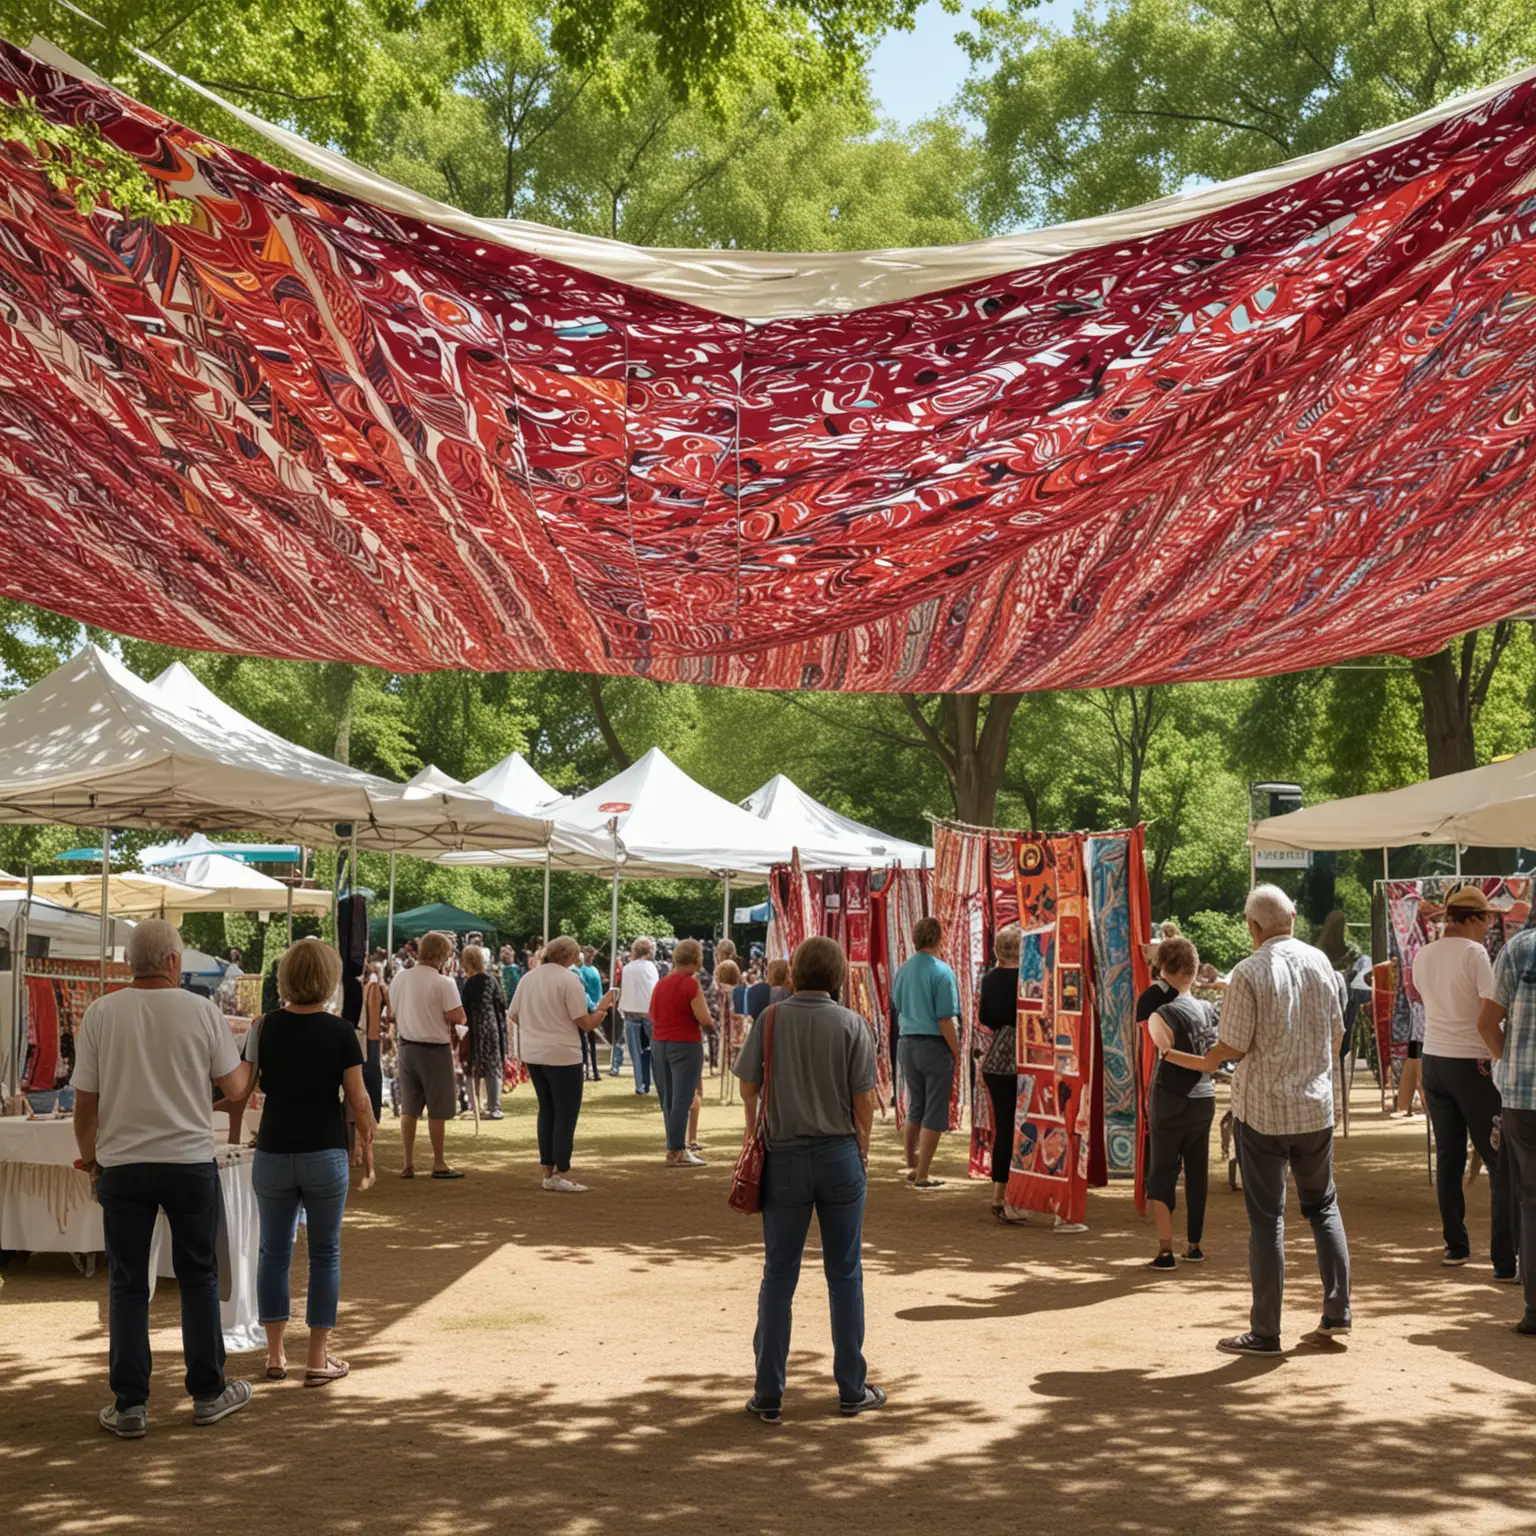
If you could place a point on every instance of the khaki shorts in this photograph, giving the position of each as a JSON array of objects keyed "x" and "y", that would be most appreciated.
[{"x": 426, "y": 1080}]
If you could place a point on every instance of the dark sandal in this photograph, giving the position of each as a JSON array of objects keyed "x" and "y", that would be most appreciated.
[
  {"x": 407, "y": 1173},
  {"x": 334, "y": 1370},
  {"x": 447, "y": 1173},
  {"x": 277, "y": 1373}
]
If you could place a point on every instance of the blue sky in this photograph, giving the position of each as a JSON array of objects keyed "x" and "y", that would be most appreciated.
[{"x": 915, "y": 73}]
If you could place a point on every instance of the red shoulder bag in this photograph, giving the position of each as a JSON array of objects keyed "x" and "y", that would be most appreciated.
[{"x": 747, "y": 1179}]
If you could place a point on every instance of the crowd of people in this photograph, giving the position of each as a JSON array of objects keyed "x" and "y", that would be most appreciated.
[{"x": 151, "y": 1058}]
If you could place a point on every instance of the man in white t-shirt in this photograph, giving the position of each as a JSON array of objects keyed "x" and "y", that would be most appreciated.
[
  {"x": 636, "y": 983},
  {"x": 425, "y": 1006},
  {"x": 146, "y": 1062},
  {"x": 1452, "y": 976}
]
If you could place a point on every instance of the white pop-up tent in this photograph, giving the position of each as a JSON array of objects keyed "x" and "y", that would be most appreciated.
[
  {"x": 1489, "y": 807},
  {"x": 514, "y": 782},
  {"x": 213, "y": 884},
  {"x": 825, "y": 838},
  {"x": 172, "y": 858}
]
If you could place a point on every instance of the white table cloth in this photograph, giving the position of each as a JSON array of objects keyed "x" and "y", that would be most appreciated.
[{"x": 46, "y": 1207}]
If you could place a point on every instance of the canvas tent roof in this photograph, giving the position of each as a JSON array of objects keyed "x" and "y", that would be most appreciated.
[
  {"x": 825, "y": 838},
  {"x": 440, "y": 916},
  {"x": 667, "y": 823},
  {"x": 515, "y": 783},
  {"x": 93, "y": 745},
  {"x": 929, "y": 473},
  {"x": 1489, "y": 807},
  {"x": 177, "y": 853}
]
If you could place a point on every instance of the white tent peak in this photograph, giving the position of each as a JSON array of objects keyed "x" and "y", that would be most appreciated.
[
  {"x": 517, "y": 784},
  {"x": 824, "y": 837}
]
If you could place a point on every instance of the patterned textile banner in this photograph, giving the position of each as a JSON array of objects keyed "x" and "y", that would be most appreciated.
[
  {"x": 1415, "y": 917},
  {"x": 1120, "y": 928},
  {"x": 302, "y": 424}
]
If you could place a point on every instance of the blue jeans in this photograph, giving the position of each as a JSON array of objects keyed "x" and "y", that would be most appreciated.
[
  {"x": 283, "y": 1181},
  {"x": 824, "y": 1174},
  {"x": 132, "y": 1196},
  {"x": 637, "y": 1030},
  {"x": 616, "y": 1055},
  {"x": 679, "y": 1068}
]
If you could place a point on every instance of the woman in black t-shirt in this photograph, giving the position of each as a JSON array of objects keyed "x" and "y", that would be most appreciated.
[
  {"x": 998, "y": 1009},
  {"x": 1183, "y": 1104},
  {"x": 306, "y": 1059}
]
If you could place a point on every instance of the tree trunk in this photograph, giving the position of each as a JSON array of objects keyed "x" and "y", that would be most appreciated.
[
  {"x": 970, "y": 740},
  {"x": 341, "y": 689},
  {"x": 604, "y": 722},
  {"x": 1448, "y": 733}
]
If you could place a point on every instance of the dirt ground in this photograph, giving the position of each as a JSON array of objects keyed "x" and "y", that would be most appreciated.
[{"x": 529, "y": 1362}]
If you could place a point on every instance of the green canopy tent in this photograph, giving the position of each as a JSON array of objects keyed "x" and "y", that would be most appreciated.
[{"x": 442, "y": 916}]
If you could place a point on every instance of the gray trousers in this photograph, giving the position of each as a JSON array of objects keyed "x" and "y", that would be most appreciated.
[
  {"x": 1264, "y": 1161},
  {"x": 1517, "y": 1142}
]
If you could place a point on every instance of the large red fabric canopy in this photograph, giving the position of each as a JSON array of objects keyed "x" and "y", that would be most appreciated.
[{"x": 1276, "y": 428}]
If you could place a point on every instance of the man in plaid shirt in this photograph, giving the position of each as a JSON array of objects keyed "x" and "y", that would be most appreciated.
[{"x": 1507, "y": 1024}]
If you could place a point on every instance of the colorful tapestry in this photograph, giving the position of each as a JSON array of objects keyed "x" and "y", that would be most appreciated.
[
  {"x": 1415, "y": 911},
  {"x": 1117, "y": 941},
  {"x": 1053, "y": 1152},
  {"x": 1267, "y": 408}
]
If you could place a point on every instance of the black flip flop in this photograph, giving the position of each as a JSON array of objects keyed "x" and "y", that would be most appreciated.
[{"x": 446, "y": 1173}]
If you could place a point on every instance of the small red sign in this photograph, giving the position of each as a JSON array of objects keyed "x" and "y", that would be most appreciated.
[{"x": 613, "y": 807}]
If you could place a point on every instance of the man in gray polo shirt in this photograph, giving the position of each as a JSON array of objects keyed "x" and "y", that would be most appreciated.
[
  {"x": 821, "y": 1107},
  {"x": 1282, "y": 1023}
]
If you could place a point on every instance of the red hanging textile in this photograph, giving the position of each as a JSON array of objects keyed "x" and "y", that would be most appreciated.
[{"x": 41, "y": 1072}]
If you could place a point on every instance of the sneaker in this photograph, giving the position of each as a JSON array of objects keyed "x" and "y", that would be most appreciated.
[
  {"x": 687, "y": 1160},
  {"x": 1512, "y": 1278},
  {"x": 1526, "y": 1325},
  {"x": 1069, "y": 1227},
  {"x": 560, "y": 1185},
  {"x": 1331, "y": 1328},
  {"x": 873, "y": 1397},
  {"x": 1249, "y": 1344},
  {"x": 1453, "y": 1260},
  {"x": 125, "y": 1423},
  {"x": 1163, "y": 1261},
  {"x": 1193, "y": 1256},
  {"x": 209, "y": 1410},
  {"x": 763, "y": 1409}
]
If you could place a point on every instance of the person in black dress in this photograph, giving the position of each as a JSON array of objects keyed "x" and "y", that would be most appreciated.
[
  {"x": 1183, "y": 1104},
  {"x": 998, "y": 1009}
]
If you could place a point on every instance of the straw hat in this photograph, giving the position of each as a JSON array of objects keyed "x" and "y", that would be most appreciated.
[{"x": 1469, "y": 898}]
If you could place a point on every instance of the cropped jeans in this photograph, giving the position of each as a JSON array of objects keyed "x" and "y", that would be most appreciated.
[
  {"x": 283, "y": 1182},
  {"x": 824, "y": 1175}
]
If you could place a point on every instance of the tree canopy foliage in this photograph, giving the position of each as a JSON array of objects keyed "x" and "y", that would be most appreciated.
[{"x": 750, "y": 124}]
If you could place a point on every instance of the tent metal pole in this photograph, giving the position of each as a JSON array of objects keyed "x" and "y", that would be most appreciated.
[
  {"x": 389, "y": 920},
  {"x": 725, "y": 916},
  {"x": 290, "y": 917},
  {"x": 613, "y": 913},
  {"x": 19, "y": 983},
  {"x": 1458, "y": 859},
  {"x": 548, "y": 859},
  {"x": 1386, "y": 863},
  {"x": 106, "y": 902}
]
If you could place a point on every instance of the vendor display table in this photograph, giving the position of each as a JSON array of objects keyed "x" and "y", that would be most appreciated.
[{"x": 46, "y": 1206}]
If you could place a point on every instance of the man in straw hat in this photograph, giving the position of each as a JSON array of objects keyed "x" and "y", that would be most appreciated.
[{"x": 1453, "y": 977}]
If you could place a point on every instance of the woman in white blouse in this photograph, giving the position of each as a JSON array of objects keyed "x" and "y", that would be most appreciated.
[{"x": 550, "y": 1011}]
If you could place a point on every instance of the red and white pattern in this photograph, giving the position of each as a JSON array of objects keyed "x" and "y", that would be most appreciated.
[{"x": 304, "y": 425}]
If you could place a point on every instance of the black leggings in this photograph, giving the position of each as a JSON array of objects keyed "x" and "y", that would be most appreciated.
[
  {"x": 1181, "y": 1137},
  {"x": 559, "y": 1093},
  {"x": 1003, "y": 1090},
  {"x": 589, "y": 1053}
]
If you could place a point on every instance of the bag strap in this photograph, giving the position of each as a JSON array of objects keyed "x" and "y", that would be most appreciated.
[{"x": 762, "y": 1101}]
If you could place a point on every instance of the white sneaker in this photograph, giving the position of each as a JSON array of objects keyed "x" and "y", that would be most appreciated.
[
  {"x": 560, "y": 1185},
  {"x": 687, "y": 1160},
  {"x": 1070, "y": 1226}
]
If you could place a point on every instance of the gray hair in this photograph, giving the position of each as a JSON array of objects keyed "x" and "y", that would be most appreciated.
[
  {"x": 1269, "y": 909},
  {"x": 151, "y": 944}
]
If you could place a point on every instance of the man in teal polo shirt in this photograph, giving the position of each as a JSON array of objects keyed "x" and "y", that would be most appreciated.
[{"x": 927, "y": 1004}]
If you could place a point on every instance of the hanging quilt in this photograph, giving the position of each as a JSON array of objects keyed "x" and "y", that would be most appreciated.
[
  {"x": 1267, "y": 406},
  {"x": 1415, "y": 911}
]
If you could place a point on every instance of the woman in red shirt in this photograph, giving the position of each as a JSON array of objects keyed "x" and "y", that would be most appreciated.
[{"x": 679, "y": 1015}]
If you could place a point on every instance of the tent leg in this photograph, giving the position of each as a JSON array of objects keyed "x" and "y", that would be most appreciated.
[
  {"x": 1386, "y": 863},
  {"x": 389, "y": 920},
  {"x": 613, "y": 924},
  {"x": 1458, "y": 859},
  {"x": 290, "y": 917},
  {"x": 1253, "y": 866},
  {"x": 725, "y": 916},
  {"x": 19, "y": 986},
  {"x": 106, "y": 903},
  {"x": 547, "y": 861}
]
